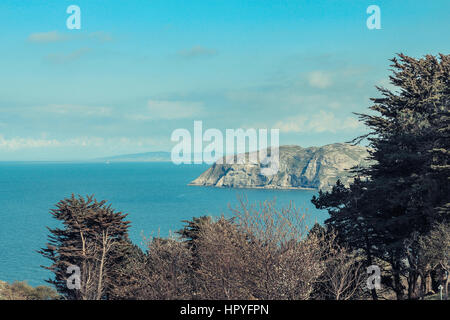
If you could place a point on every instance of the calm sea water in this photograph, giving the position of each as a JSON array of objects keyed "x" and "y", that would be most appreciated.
[{"x": 155, "y": 195}]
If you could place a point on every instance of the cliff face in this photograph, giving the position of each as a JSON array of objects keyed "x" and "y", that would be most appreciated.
[{"x": 314, "y": 167}]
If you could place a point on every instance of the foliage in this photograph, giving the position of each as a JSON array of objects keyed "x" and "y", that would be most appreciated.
[
  {"x": 90, "y": 234},
  {"x": 404, "y": 193},
  {"x": 21, "y": 290},
  {"x": 260, "y": 253}
]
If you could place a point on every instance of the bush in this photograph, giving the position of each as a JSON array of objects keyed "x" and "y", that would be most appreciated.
[{"x": 21, "y": 290}]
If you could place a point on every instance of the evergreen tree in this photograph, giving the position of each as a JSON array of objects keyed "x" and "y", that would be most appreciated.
[
  {"x": 191, "y": 230},
  {"x": 87, "y": 239},
  {"x": 405, "y": 192}
]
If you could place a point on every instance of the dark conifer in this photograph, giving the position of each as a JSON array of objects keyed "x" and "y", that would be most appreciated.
[
  {"x": 405, "y": 192},
  {"x": 88, "y": 238}
]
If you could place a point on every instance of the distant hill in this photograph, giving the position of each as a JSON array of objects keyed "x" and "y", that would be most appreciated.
[
  {"x": 314, "y": 167},
  {"x": 158, "y": 156}
]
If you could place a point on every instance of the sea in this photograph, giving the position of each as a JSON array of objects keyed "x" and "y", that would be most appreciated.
[{"x": 155, "y": 195}]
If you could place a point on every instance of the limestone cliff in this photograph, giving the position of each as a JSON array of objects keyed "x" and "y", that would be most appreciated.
[{"x": 314, "y": 167}]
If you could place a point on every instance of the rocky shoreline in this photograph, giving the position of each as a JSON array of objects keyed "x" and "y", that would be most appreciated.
[{"x": 310, "y": 168}]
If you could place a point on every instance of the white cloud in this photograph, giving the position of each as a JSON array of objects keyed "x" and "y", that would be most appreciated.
[
  {"x": 168, "y": 110},
  {"x": 319, "y": 79},
  {"x": 77, "y": 110},
  {"x": 47, "y": 37},
  {"x": 197, "y": 51},
  {"x": 99, "y": 36},
  {"x": 17, "y": 143},
  {"x": 60, "y": 58},
  {"x": 352, "y": 123},
  {"x": 55, "y": 36},
  {"x": 334, "y": 105},
  {"x": 294, "y": 124},
  {"x": 321, "y": 122},
  {"x": 386, "y": 83},
  {"x": 21, "y": 143}
]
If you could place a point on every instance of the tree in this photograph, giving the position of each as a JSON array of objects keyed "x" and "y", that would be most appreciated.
[
  {"x": 343, "y": 278},
  {"x": 284, "y": 263},
  {"x": 191, "y": 230},
  {"x": 349, "y": 220},
  {"x": 404, "y": 192},
  {"x": 434, "y": 249},
  {"x": 168, "y": 271},
  {"x": 87, "y": 239},
  {"x": 223, "y": 265},
  {"x": 128, "y": 273}
]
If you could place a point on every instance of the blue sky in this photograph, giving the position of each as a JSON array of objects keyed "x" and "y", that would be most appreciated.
[{"x": 137, "y": 70}]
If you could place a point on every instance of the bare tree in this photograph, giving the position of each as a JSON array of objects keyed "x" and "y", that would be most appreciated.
[
  {"x": 285, "y": 263},
  {"x": 343, "y": 277},
  {"x": 168, "y": 271},
  {"x": 262, "y": 252},
  {"x": 434, "y": 249},
  {"x": 223, "y": 260}
]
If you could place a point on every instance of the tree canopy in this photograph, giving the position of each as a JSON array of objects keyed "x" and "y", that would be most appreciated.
[{"x": 405, "y": 191}]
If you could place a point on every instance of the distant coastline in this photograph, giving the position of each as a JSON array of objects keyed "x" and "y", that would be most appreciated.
[{"x": 156, "y": 156}]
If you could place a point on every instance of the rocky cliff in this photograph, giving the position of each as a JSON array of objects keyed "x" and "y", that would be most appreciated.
[{"x": 313, "y": 168}]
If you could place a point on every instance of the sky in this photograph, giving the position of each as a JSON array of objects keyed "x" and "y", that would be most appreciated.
[{"x": 137, "y": 70}]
